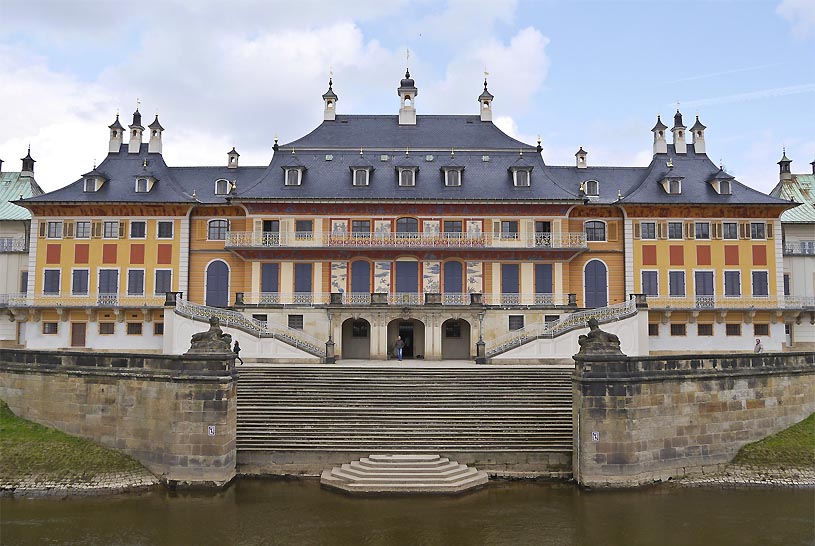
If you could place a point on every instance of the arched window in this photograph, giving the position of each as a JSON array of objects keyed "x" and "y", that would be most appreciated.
[
  {"x": 360, "y": 177},
  {"x": 216, "y": 230},
  {"x": 407, "y": 225},
  {"x": 407, "y": 177},
  {"x": 592, "y": 187},
  {"x": 221, "y": 187},
  {"x": 595, "y": 231}
]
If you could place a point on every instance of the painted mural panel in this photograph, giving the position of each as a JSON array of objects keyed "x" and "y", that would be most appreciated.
[
  {"x": 382, "y": 277},
  {"x": 431, "y": 226},
  {"x": 339, "y": 227},
  {"x": 473, "y": 226},
  {"x": 474, "y": 274},
  {"x": 430, "y": 277},
  {"x": 339, "y": 275},
  {"x": 382, "y": 226}
]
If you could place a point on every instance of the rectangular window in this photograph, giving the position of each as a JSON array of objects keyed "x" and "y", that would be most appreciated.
[
  {"x": 676, "y": 283},
  {"x": 164, "y": 280},
  {"x": 650, "y": 283},
  {"x": 760, "y": 284},
  {"x": 521, "y": 178},
  {"x": 452, "y": 177},
  {"x": 158, "y": 328},
  {"x": 703, "y": 283},
  {"x": 653, "y": 328},
  {"x": 678, "y": 329},
  {"x": 675, "y": 186},
  {"x": 51, "y": 282},
  {"x": 452, "y": 328},
  {"x": 50, "y": 328},
  {"x": 292, "y": 177},
  {"x": 134, "y": 328},
  {"x": 302, "y": 279},
  {"x": 452, "y": 227},
  {"x": 110, "y": 230},
  {"x": 786, "y": 284},
  {"x": 595, "y": 231},
  {"x": 165, "y": 229},
  {"x": 23, "y": 282},
  {"x": 516, "y": 322},
  {"x": 757, "y": 230},
  {"x": 551, "y": 318},
  {"x": 407, "y": 177},
  {"x": 732, "y": 284},
  {"x": 361, "y": 228},
  {"x": 648, "y": 230},
  {"x": 141, "y": 185},
  {"x": 543, "y": 282},
  {"x": 510, "y": 284},
  {"x": 260, "y": 317},
  {"x": 54, "y": 230},
  {"x": 107, "y": 328},
  {"x": 704, "y": 329},
  {"x": 359, "y": 328},
  {"x": 732, "y": 329},
  {"x": 702, "y": 230},
  {"x": 730, "y": 230},
  {"x": 761, "y": 329},
  {"x": 135, "y": 282},
  {"x": 83, "y": 230},
  {"x": 79, "y": 282},
  {"x": 138, "y": 229},
  {"x": 303, "y": 229},
  {"x": 296, "y": 322},
  {"x": 269, "y": 277},
  {"x": 674, "y": 230},
  {"x": 509, "y": 229},
  {"x": 360, "y": 177}
]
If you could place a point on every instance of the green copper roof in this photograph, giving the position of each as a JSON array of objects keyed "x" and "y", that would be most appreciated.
[
  {"x": 13, "y": 187},
  {"x": 800, "y": 189}
]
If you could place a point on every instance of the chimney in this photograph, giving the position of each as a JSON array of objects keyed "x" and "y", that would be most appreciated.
[{"x": 678, "y": 130}]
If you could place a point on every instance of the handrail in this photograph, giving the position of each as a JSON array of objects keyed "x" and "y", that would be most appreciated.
[
  {"x": 257, "y": 328},
  {"x": 83, "y": 300},
  {"x": 554, "y": 329},
  {"x": 715, "y": 302},
  {"x": 542, "y": 240}
]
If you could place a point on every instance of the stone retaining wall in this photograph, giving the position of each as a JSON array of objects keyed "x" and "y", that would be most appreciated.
[
  {"x": 643, "y": 419},
  {"x": 157, "y": 409}
]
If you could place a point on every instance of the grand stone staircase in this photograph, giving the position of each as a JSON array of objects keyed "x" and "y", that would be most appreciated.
[{"x": 502, "y": 413}]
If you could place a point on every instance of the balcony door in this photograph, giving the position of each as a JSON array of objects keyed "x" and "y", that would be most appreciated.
[
  {"x": 596, "y": 284},
  {"x": 217, "y": 289},
  {"x": 407, "y": 277}
]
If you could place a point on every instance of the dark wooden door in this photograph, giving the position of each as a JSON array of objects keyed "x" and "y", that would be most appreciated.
[
  {"x": 217, "y": 284},
  {"x": 596, "y": 284}
]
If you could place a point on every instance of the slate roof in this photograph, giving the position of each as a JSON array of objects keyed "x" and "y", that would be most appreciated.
[
  {"x": 12, "y": 186},
  {"x": 801, "y": 189},
  {"x": 173, "y": 184}
]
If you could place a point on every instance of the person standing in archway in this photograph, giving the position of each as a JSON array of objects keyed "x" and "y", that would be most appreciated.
[{"x": 398, "y": 347}]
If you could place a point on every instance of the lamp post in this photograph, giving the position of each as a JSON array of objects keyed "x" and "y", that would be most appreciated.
[
  {"x": 329, "y": 345},
  {"x": 480, "y": 349}
]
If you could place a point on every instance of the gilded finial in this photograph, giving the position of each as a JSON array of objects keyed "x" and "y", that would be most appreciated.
[
  {"x": 407, "y": 151},
  {"x": 582, "y": 187},
  {"x": 293, "y": 152},
  {"x": 521, "y": 152},
  {"x": 407, "y": 58},
  {"x": 619, "y": 195},
  {"x": 360, "y": 150},
  {"x": 670, "y": 163},
  {"x": 452, "y": 153}
]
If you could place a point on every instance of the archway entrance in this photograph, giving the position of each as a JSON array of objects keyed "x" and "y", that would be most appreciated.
[
  {"x": 356, "y": 339},
  {"x": 412, "y": 333},
  {"x": 217, "y": 290},
  {"x": 455, "y": 340}
]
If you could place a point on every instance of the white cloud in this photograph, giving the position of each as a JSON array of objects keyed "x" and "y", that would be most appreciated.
[{"x": 800, "y": 14}]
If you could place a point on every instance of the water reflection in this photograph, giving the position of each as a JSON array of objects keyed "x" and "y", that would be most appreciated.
[{"x": 261, "y": 512}]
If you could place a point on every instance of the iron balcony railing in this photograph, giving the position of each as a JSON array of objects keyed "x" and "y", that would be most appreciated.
[
  {"x": 12, "y": 244},
  {"x": 255, "y": 239},
  {"x": 82, "y": 300},
  {"x": 400, "y": 298},
  {"x": 715, "y": 302},
  {"x": 799, "y": 248}
]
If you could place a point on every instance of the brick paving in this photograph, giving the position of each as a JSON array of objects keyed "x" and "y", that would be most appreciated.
[
  {"x": 748, "y": 476},
  {"x": 47, "y": 486}
]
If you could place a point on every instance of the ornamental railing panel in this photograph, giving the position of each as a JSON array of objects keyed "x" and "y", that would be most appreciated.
[
  {"x": 715, "y": 302},
  {"x": 799, "y": 248},
  {"x": 12, "y": 244}
]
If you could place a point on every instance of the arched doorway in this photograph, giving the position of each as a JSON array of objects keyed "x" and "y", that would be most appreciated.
[
  {"x": 455, "y": 340},
  {"x": 596, "y": 284},
  {"x": 217, "y": 280},
  {"x": 356, "y": 339},
  {"x": 412, "y": 333}
]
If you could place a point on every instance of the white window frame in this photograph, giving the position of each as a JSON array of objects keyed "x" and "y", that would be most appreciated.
[
  {"x": 674, "y": 185},
  {"x": 763, "y": 231},
  {"x": 145, "y": 188},
  {"x": 695, "y": 292},
  {"x": 643, "y": 237},
  {"x": 76, "y": 229},
  {"x": 155, "y": 279},
  {"x": 286, "y": 178},
  {"x": 224, "y": 184},
  {"x": 752, "y": 283},
  {"x": 128, "y": 291},
  {"x": 515, "y": 172},
  {"x": 736, "y": 231},
  {"x": 447, "y": 182},
  {"x": 696, "y": 232},
  {"x": 59, "y": 281},
  {"x": 88, "y": 273},
  {"x": 118, "y": 281},
  {"x": 588, "y": 185},
  {"x": 412, "y": 171},
  {"x": 681, "y": 231},
  {"x": 130, "y": 229},
  {"x": 642, "y": 282},
  {"x": 684, "y": 283},
  {"x": 724, "y": 283},
  {"x": 105, "y": 224},
  {"x": 605, "y": 231},
  {"x": 59, "y": 229},
  {"x": 729, "y": 186},
  {"x": 367, "y": 177},
  {"x": 158, "y": 229},
  {"x": 90, "y": 185},
  {"x": 209, "y": 223}
]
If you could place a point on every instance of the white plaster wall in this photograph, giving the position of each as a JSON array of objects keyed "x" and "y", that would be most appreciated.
[
  {"x": 718, "y": 342},
  {"x": 8, "y": 329},
  {"x": 118, "y": 341},
  {"x": 630, "y": 331}
]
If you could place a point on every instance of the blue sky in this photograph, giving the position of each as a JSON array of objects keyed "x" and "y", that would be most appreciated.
[{"x": 591, "y": 74}]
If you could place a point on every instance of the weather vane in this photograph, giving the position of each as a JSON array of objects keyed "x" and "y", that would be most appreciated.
[{"x": 407, "y": 58}]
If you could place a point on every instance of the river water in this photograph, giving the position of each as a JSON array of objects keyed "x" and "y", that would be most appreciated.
[{"x": 272, "y": 512}]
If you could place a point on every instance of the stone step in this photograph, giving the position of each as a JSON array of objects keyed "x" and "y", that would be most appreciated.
[{"x": 385, "y": 477}]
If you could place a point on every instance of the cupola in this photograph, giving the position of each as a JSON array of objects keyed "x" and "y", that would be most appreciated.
[
  {"x": 117, "y": 135},
  {"x": 698, "y": 132},
  {"x": 330, "y": 98},
  {"x": 581, "y": 158},
  {"x": 678, "y": 131},
  {"x": 136, "y": 130},
  {"x": 660, "y": 142},
  {"x": 155, "y": 136},
  {"x": 232, "y": 158},
  {"x": 784, "y": 166},
  {"x": 28, "y": 164},
  {"x": 407, "y": 95},
  {"x": 485, "y": 100}
]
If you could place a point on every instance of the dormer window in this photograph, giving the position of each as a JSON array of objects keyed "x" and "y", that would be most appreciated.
[
  {"x": 222, "y": 187},
  {"x": 407, "y": 176},
  {"x": 361, "y": 176},
  {"x": 142, "y": 185},
  {"x": 724, "y": 187},
  {"x": 452, "y": 177},
  {"x": 294, "y": 176},
  {"x": 90, "y": 185},
  {"x": 521, "y": 177},
  {"x": 674, "y": 187},
  {"x": 592, "y": 187}
]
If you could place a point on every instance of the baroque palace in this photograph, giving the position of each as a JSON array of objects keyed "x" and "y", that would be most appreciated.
[{"x": 440, "y": 229}]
